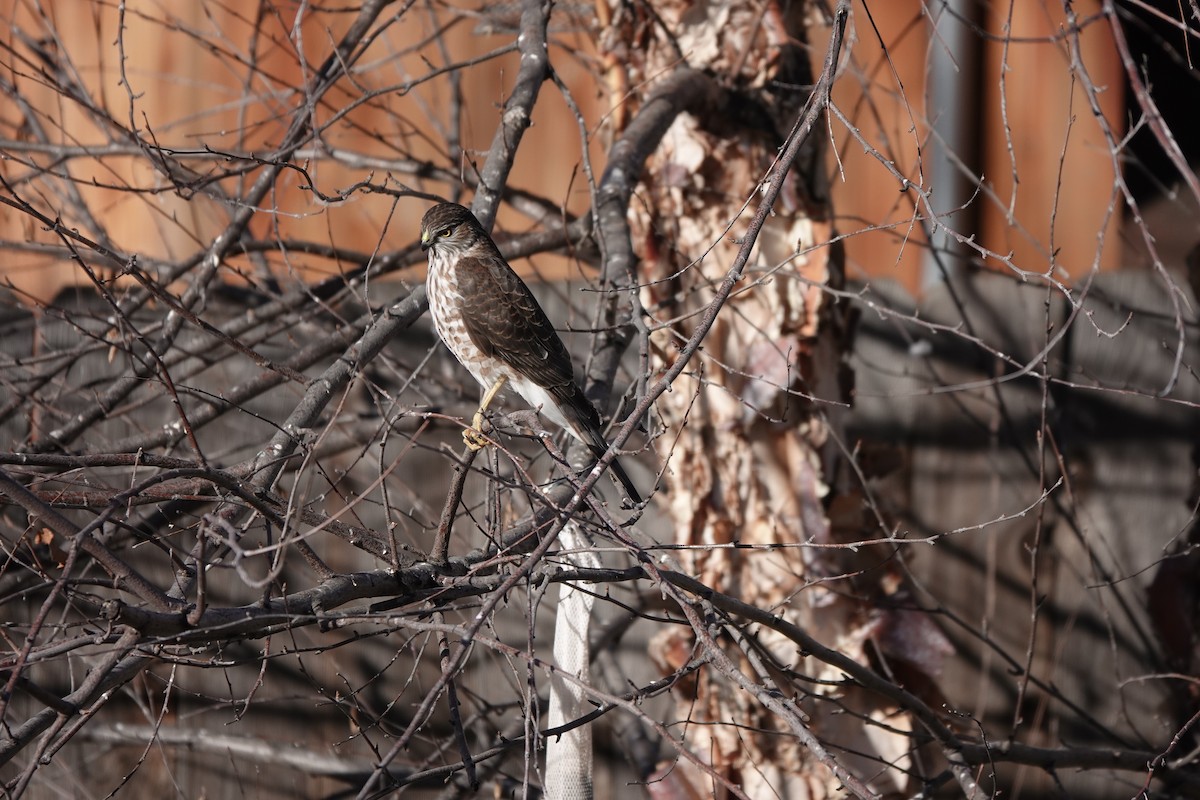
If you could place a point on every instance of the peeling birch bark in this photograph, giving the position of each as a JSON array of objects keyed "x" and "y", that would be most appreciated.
[{"x": 746, "y": 423}]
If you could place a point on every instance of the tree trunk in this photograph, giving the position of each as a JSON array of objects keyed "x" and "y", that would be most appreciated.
[{"x": 749, "y": 421}]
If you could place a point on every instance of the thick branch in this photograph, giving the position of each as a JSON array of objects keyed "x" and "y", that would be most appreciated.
[{"x": 534, "y": 69}]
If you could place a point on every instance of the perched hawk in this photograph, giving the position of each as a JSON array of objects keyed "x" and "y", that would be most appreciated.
[{"x": 490, "y": 320}]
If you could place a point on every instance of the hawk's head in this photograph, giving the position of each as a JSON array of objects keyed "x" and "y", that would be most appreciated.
[{"x": 449, "y": 228}]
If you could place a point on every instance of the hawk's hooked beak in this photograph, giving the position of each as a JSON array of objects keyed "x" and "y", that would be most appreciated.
[{"x": 426, "y": 240}]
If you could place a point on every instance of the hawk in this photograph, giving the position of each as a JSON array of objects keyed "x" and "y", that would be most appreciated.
[{"x": 492, "y": 324}]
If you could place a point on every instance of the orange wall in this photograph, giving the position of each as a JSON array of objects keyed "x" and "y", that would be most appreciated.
[
  {"x": 189, "y": 95},
  {"x": 1061, "y": 197},
  {"x": 1064, "y": 184}
]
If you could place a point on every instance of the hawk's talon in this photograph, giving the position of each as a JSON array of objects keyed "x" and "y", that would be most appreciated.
[
  {"x": 474, "y": 439},
  {"x": 473, "y": 436}
]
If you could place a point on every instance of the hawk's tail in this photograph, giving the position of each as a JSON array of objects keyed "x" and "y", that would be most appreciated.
[
  {"x": 584, "y": 423},
  {"x": 591, "y": 436},
  {"x": 622, "y": 476}
]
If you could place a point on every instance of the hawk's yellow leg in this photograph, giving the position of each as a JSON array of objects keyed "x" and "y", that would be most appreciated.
[{"x": 473, "y": 436}]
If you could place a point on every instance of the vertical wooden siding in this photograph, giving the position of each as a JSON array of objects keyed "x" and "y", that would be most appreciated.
[
  {"x": 192, "y": 96},
  {"x": 1063, "y": 187}
]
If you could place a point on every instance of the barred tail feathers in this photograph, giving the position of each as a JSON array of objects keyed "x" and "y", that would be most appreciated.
[
  {"x": 586, "y": 428},
  {"x": 567, "y": 407}
]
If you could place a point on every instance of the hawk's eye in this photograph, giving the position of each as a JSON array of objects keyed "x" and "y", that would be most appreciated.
[{"x": 445, "y": 232}]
